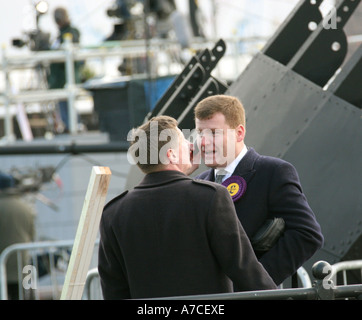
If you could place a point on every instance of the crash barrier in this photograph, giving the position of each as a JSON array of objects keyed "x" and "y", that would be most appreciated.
[
  {"x": 43, "y": 271},
  {"x": 323, "y": 288},
  {"x": 48, "y": 260},
  {"x": 303, "y": 278},
  {"x": 92, "y": 288},
  {"x": 342, "y": 268}
]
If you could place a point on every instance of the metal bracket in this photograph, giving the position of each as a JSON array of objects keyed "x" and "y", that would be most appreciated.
[
  {"x": 190, "y": 80},
  {"x": 325, "y": 49},
  {"x": 293, "y": 32},
  {"x": 347, "y": 84}
]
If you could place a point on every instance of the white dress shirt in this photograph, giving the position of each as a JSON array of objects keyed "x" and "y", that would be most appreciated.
[{"x": 228, "y": 170}]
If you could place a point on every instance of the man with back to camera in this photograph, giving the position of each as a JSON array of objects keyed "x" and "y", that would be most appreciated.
[
  {"x": 172, "y": 235},
  {"x": 268, "y": 187}
]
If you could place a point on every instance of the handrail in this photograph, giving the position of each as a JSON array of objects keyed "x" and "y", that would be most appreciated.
[
  {"x": 323, "y": 288},
  {"x": 314, "y": 293},
  {"x": 276, "y": 294},
  {"x": 50, "y": 245},
  {"x": 73, "y": 52},
  {"x": 303, "y": 276},
  {"x": 92, "y": 274},
  {"x": 344, "y": 266},
  {"x": 119, "y": 48},
  {"x": 24, "y": 246}
]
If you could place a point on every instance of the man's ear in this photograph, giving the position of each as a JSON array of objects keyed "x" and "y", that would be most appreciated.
[
  {"x": 240, "y": 133},
  {"x": 171, "y": 156}
]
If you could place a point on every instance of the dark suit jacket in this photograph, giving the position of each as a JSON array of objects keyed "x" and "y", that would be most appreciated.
[
  {"x": 172, "y": 236},
  {"x": 273, "y": 190}
]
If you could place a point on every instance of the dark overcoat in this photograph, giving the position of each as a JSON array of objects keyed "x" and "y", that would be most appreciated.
[
  {"x": 273, "y": 189},
  {"x": 173, "y": 236}
]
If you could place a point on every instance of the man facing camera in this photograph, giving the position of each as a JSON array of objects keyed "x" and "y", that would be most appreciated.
[{"x": 266, "y": 191}]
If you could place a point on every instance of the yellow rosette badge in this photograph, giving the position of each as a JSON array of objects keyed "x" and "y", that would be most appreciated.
[{"x": 236, "y": 186}]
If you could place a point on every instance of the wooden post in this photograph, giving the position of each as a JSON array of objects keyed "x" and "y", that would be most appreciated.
[{"x": 86, "y": 234}]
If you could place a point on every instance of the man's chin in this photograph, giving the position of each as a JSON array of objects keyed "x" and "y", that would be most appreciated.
[{"x": 213, "y": 162}]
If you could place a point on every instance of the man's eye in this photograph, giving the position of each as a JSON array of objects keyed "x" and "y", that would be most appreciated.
[{"x": 208, "y": 133}]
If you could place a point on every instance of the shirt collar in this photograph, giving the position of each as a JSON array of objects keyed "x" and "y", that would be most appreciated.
[{"x": 231, "y": 167}]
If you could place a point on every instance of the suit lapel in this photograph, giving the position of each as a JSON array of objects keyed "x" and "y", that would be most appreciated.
[
  {"x": 210, "y": 175},
  {"x": 245, "y": 168}
]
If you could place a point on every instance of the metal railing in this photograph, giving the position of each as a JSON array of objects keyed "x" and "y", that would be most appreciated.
[
  {"x": 322, "y": 288},
  {"x": 51, "y": 288},
  {"x": 71, "y": 53},
  {"x": 47, "y": 265},
  {"x": 344, "y": 266},
  {"x": 302, "y": 278},
  {"x": 92, "y": 289}
]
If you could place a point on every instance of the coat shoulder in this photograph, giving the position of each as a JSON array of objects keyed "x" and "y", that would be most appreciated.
[
  {"x": 269, "y": 159},
  {"x": 211, "y": 186},
  {"x": 271, "y": 162},
  {"x": 114, "y": 200},
  {"x": 204, "y": 183}
]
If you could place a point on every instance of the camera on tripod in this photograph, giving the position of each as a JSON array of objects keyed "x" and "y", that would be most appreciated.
[{"x": 36, "y": 39}]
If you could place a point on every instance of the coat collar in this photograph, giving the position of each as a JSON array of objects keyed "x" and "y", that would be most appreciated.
[
  {"x": 246, "y": 165},
  {"x": 161, "y": 177}
]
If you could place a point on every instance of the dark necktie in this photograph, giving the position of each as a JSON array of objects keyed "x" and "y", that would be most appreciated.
[{"x": 219, "y": 176}]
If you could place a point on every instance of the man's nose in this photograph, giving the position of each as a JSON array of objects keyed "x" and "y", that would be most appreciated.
[
  {"x": 206, "y": 140},
  {"x": 202, "y": 142}
]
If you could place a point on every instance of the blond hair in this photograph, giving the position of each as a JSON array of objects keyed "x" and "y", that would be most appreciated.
[
  {"x": 148, "y": 140},
  {"x": 229, "y": 106}
]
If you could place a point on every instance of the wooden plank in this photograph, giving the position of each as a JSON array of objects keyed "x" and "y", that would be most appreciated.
[{"x": 86, "y": 234}]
